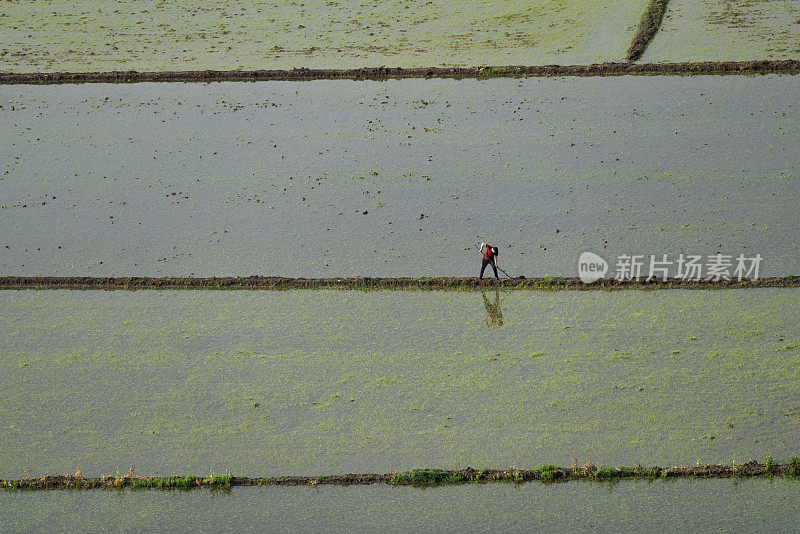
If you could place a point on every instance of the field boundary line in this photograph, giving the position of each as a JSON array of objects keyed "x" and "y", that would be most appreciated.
[
  {"x": 649, "y": 24},
  {"x": 416, "y": 477},
  {"x": 788, "y": 66},
  {"x": 549, "y": 283}
]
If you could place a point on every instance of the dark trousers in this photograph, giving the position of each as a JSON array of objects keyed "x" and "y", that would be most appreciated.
[{"x": 483, "y": 267}]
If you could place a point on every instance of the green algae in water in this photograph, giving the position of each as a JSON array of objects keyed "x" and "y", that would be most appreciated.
[
  {"x": 318, "y": 382},
  {"x": 104, "y": 35},
  {"x": 739, "y": 30}
]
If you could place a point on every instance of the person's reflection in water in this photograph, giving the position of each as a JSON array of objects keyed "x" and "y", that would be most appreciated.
[{"x": 495, "y": 313}]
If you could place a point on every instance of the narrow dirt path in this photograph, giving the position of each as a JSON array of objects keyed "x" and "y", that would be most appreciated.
[
  {"x": 417, "y": 477},
  {"x": 435, "y": 283},
  {"x": 648, "y": 27},
  {"x": 789, "y": 66}
]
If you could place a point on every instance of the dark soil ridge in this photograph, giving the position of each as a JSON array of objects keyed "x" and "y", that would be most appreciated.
[
  {"x": 366, "y": 283},
  {"x": 418, "y": 477},
  {"x": 648, "y": 27},
  {"x": 789, "y": 66}
]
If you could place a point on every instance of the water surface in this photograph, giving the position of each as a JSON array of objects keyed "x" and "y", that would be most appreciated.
[
  {"x": 105, "y": 35},
  {"x": 737, "y": 30},
  {"x": 752, "y": 505},
  {"x": 320, "y": 382},
  {"x": 396, "y": 178}
]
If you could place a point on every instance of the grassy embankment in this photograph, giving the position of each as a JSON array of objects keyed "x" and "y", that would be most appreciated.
[
  {"x": 367, "y": 283},
  {"x": 418, "y": 477},
  {"x": 648, "y": 27}
]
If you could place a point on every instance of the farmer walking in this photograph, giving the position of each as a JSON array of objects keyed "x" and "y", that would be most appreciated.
[{"x": 489, "y": 258}]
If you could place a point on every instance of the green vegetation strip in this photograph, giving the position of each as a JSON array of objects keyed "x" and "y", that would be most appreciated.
[
  {"x": 789, "y": 66},
  {"x": 417, "y": 477},
  {"x": 648, "y": 27},
  {"x": 366, "y": 283}
]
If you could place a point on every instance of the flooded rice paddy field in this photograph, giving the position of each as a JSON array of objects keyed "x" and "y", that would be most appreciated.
[
  {"x": 395, "y": 178},
  {"x": 707, "y": 30},
  {"x": 104, "y": 35},
  {"x": 321, "y": 382},
  {"x": 751, "y": 505}
]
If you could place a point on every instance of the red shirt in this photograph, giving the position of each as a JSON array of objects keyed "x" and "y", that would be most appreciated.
[{"x": 489, "y": 254}]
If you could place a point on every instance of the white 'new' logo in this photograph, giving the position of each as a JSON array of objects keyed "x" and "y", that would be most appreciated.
[{"x": 591, "y": 267}]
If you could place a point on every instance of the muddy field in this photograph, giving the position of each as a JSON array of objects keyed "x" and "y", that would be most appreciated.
[
  {"x": 133, "y": 35},
  {"x": 707, "y": 30},
  {"x": 322, "y": 382},
  {"x": 752, "y": 505},
  {"x": 41, "y": 37},
  {"x": 135, "y": 181}
]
